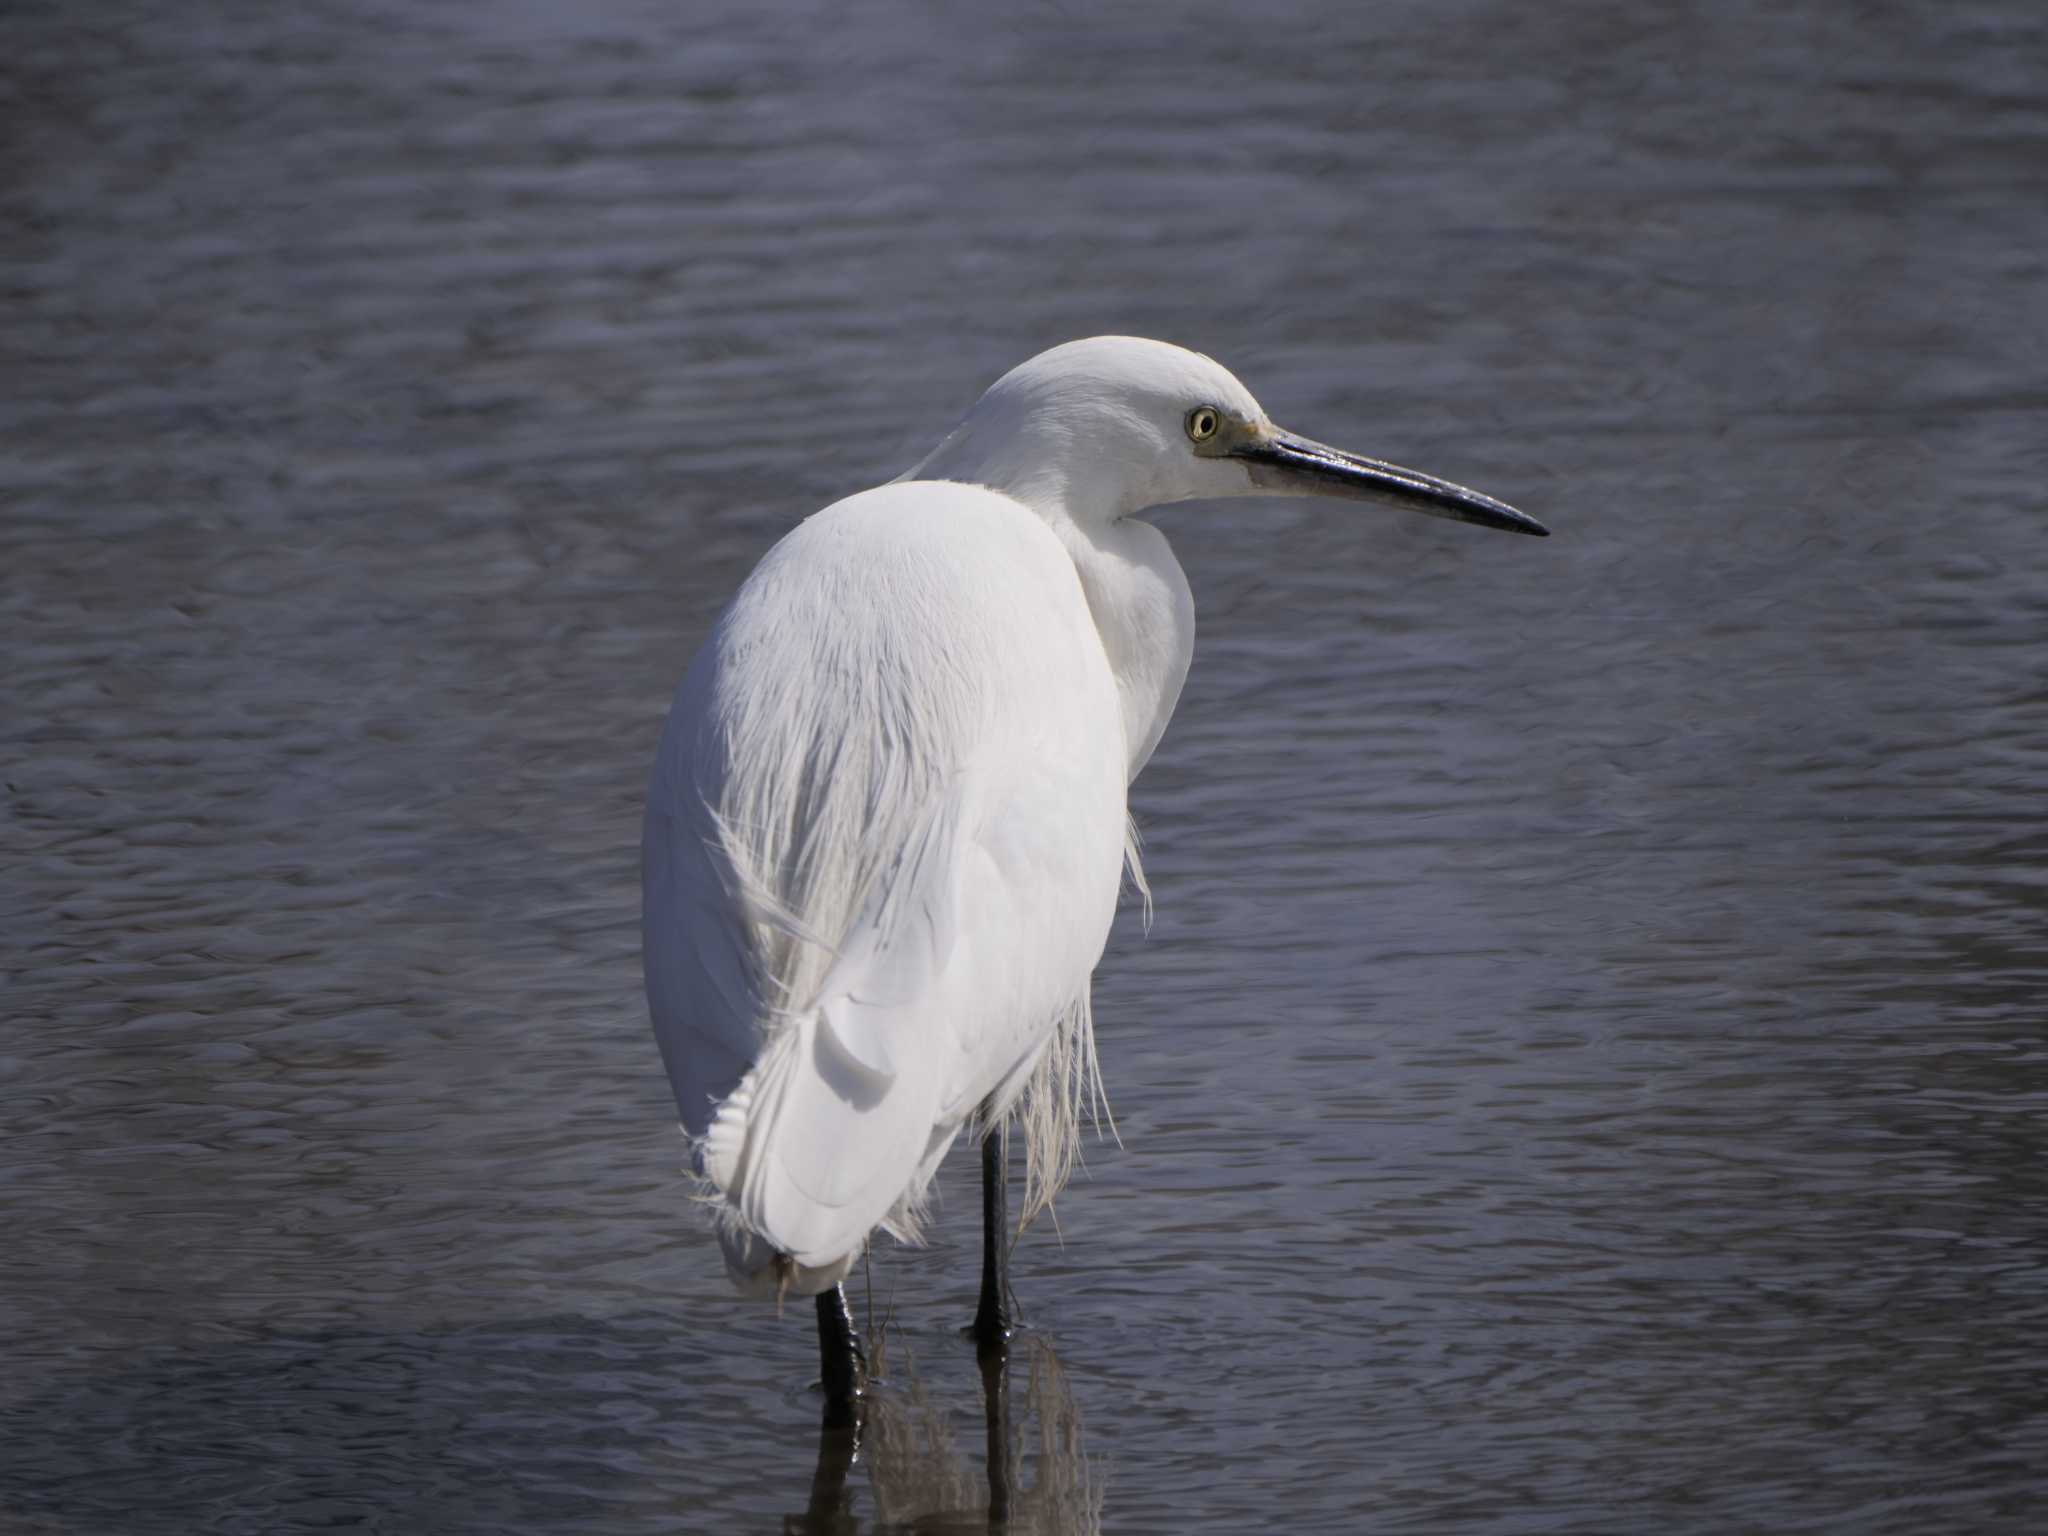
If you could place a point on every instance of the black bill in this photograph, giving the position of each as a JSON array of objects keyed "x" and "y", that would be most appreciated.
[{"x": 1295, "y": 464}]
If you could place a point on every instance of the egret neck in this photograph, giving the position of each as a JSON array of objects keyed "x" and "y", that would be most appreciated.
[
  {"x": 1087, "y": 492},
  {"x": 1145, "y": 614}
]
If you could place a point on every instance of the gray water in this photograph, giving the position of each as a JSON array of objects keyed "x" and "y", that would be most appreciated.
[{"x": 1588, "y": 1068}]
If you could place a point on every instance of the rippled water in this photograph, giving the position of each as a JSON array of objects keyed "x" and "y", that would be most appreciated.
[{"x": 1588, "y": 1069}]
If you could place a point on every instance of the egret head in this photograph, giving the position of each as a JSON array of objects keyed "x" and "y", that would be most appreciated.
[{"x": 1109, "y": 426}]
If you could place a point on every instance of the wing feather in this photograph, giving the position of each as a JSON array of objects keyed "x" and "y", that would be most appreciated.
[{"x": 881, "y": 855}]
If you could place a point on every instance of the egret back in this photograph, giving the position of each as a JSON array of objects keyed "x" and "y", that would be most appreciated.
[{"x": 881, "y": 855}]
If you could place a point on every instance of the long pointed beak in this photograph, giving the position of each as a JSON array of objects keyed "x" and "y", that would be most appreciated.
[{"x": 1297, "y": 466}]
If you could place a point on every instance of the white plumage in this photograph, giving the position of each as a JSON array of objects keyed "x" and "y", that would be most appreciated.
[{"x": 887, "y": 820}]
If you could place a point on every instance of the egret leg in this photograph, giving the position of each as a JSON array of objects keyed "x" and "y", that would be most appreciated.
[
  {"x": 994, "y": 1317},
  {"x": 844, "y": 1365}
]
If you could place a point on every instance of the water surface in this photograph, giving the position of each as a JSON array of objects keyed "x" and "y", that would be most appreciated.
[{"x": 1587, "y": 1069}]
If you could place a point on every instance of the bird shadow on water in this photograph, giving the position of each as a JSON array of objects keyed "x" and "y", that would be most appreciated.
[
  {"x": 542, "y": 1424},
  {"x": 1036, "y": 1474}
]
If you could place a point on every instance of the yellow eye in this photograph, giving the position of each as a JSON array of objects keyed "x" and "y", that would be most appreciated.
[{"x": 1202, "y": 423}]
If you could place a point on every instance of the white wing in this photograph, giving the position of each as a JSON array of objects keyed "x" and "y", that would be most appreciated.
[{"x": 881, "y": 854}]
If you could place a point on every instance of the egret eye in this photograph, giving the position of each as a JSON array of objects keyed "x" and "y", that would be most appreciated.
[{"x": 1202, "y": 423}]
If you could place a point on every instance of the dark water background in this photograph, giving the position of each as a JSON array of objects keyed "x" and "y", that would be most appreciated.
[{"x": 1589, "y": 1067}]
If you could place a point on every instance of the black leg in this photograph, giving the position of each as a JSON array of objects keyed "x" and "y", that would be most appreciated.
[
  {"x": 992, "y": 1319},
  {"x": 845, "y": 1368}
]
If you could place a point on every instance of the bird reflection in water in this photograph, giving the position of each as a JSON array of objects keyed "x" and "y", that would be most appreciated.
[{"x": 1038, "y": 1476}]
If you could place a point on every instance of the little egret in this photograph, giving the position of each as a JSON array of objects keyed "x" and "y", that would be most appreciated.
[{"x": 887, "y": 826}]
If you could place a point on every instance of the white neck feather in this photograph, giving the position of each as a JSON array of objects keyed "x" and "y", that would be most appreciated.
[
  {"x": 1145, "y": 614},
  {"x": 1085, "y": 461}
]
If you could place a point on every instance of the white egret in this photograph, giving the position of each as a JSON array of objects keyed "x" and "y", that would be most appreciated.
[{"x": 887, "y": 824}]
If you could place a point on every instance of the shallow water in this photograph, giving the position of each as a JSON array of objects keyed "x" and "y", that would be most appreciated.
[{"x": 1588, "y": 1066}]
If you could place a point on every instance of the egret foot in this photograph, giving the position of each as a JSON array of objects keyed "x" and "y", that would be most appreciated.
[
  {"x": 995, "y": 1319},
  {"x": 844, "y": 1365}
]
